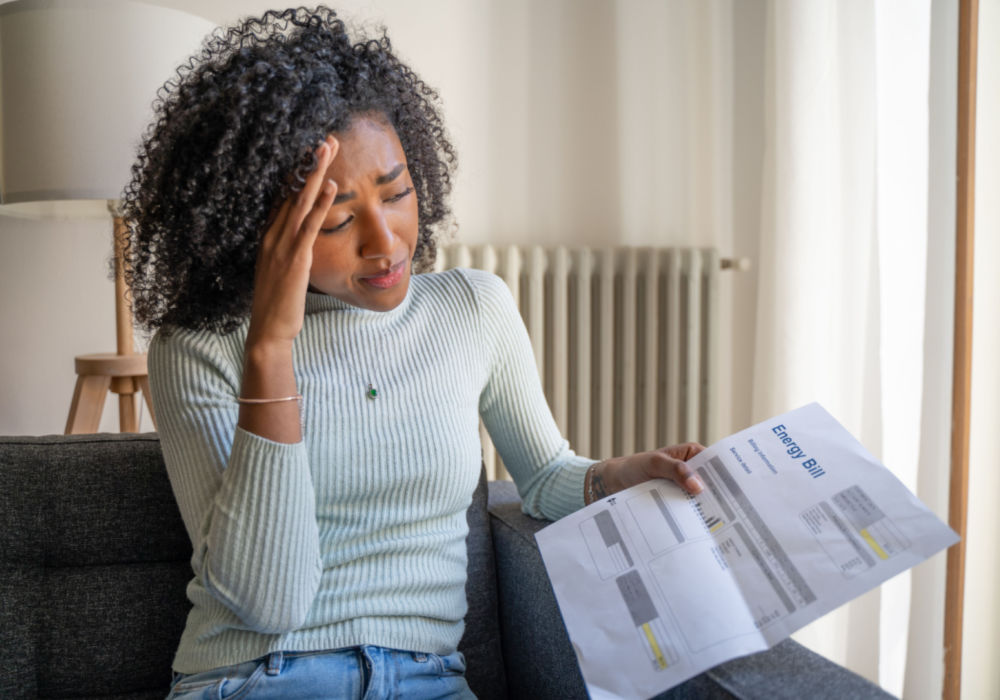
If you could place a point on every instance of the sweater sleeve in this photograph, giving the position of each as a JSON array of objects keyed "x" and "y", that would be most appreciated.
[
  {"x": 548, "y": 474},
  {"x": 248, "y": 503}
]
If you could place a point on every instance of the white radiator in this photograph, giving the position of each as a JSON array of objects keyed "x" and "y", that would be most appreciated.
[{"x": 625, "y": 340}]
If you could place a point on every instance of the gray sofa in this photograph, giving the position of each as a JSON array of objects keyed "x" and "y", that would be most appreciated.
[{"x": 95, "y": 564}]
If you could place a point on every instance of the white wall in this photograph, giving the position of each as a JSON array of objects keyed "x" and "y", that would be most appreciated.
[
  {"x": 56, "y": 302},
  {"x": 577, "y": 121},
  {"x": 748, "y": 37}
]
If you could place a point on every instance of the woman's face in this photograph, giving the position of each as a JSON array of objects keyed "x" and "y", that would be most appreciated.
[{"x": 363, "y": 251}]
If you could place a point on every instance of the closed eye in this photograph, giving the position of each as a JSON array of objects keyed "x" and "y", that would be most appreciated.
[
  {"x": 397, "y": 197},
  {"x": 390, "y": 200},
  {"x": 339, "y": 227}
]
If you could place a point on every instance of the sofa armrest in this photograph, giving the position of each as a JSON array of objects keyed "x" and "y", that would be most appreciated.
[{"x": 537, "y": 653}]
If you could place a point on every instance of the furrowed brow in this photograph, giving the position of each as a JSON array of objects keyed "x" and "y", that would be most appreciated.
[{"x": 391, "y": 175}]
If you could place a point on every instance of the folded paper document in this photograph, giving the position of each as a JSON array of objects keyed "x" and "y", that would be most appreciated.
[{"x": 796, "y": 518}]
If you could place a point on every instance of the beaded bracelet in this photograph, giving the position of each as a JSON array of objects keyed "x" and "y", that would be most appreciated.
[
  {"x": 296, "y": 397},
  {"x": 589, "y": 479}
]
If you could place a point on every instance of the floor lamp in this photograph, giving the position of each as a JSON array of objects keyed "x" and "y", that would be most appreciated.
[{"x": 77, "y": 81}]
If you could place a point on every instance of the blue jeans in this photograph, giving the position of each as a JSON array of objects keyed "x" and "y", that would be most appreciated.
[{"x": 366, "y": 672}]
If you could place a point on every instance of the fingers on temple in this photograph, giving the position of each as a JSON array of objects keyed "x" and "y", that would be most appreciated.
[
  {"x": 314, "y": 219},
  {"x": 306, "y": 199},
  {"x": 276, "y": 225}
]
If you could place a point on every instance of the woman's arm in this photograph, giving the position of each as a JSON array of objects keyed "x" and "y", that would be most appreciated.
[
  {"x": 241, "y": 475},
  {"x": 247, "y": 502},
  {"x": 551, "y": 478},
  {"x": 548, "y": 474},
  {"x": 280, "y": 284}
]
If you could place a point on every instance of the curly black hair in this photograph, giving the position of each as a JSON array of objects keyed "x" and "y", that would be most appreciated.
[{"x": 235, "y": 132}]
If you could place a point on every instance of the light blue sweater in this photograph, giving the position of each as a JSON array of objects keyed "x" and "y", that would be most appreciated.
[{"x": 356, "y": 535}]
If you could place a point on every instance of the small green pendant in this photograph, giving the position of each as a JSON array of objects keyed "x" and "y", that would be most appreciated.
[{"x": 372, "y": 392}]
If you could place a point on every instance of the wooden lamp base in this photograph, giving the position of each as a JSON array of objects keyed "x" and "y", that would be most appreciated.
[{"x": 122, "y": 373}]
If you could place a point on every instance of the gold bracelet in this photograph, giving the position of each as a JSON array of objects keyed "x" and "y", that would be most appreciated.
[
  {"x": 589, "y": 479},
  {"x": 296, "y": 397}
]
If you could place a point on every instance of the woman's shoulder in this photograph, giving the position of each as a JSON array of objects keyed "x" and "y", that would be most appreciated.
[
  {"x": 461, "y": 283},
  {"x": 481, "y": 298},
  {"x": 179, "y": 346}
]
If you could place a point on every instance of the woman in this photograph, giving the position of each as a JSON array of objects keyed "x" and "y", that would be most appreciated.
[{"x": 318, "y": 406}]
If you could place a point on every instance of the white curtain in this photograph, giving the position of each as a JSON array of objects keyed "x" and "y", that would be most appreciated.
[{"x": 843, "y": 292}]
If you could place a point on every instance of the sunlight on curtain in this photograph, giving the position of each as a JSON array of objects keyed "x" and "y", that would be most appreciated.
[
  {"x": 817, "y": 249},
  {"x": 843, "y": 258},
  {"x": 902, "y": 65},
  {"x": 925, "y": 645}
]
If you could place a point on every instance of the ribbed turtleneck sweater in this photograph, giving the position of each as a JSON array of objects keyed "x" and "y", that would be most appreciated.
[{"x": 356, "y": 534}]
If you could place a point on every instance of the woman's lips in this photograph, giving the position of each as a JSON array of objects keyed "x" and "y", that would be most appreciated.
[{"x": 389, "y": 278}]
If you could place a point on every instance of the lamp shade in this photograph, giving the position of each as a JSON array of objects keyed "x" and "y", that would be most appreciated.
[{"x": 77, "y": 82}]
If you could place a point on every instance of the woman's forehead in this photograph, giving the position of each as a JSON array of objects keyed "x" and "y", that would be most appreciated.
[{"x": 368, "y": 148}]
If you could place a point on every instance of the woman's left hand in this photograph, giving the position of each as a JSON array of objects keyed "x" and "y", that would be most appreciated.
[{"x": 619, "y": 473}]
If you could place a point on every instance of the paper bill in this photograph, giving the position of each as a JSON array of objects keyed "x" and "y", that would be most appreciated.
[{"x": 796, "y": 519}]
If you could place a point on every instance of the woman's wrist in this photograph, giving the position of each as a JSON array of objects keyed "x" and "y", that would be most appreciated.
[
  {"x": 269, "y": 400},
  {"x": 268, "y": 368},
  {"x": 266, "y": 350},
  {"x": 595, "y": 485}
]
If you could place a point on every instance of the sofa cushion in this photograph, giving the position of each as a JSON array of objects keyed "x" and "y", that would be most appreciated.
[
  {"x": 95, "y": 561},
  {"x": 481, "y": 641},
  {"x": 539, "y": 657}
]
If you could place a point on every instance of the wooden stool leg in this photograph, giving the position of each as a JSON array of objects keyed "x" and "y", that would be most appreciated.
[
  {"x": 127, "y": 420},
  {"x": 88, "y": 404},
  {"x": 125, "y": 388},
  {"x": 147, "y": 396}
]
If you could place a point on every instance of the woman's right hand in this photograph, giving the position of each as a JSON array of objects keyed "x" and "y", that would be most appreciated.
[
  {"x": 285, "y": 256},
  {"x": 279, "y": 304}
]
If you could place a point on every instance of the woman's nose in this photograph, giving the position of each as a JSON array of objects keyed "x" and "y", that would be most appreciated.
[{"x": 378, "y": 239}]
